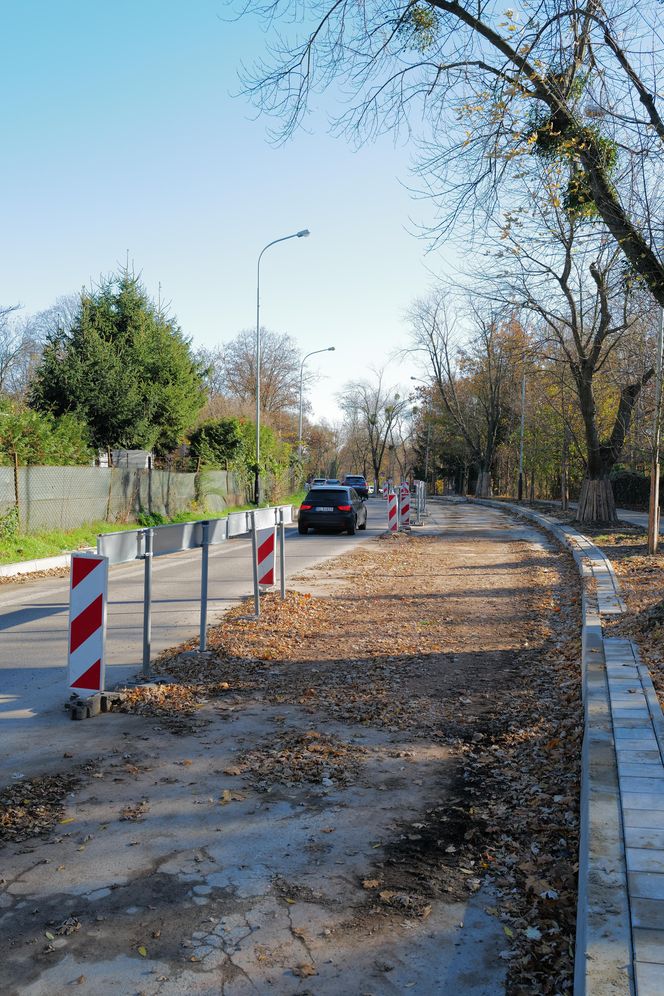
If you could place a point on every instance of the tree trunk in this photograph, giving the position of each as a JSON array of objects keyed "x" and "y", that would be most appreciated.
[
  {"x": 483, "y": 486},
  {"x": 596, "y": 502}
]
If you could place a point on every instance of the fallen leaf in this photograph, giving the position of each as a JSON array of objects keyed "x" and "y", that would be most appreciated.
[
  {"x": 143, "y": 951},
  {"x": 305, "y": 970}
]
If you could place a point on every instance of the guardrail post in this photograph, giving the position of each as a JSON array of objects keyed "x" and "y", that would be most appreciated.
[
  {"x": 282, "y": 553},
  {"x": 205, "y": 551},
  {"x": 147, "y": 602},
  {"x": 254, "y": 558}
]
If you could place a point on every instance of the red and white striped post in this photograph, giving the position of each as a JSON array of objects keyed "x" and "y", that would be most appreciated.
[
  {"x": 404, "y": 507},
  {"x": 392, "y": 512},
  {"x": 265, "y": 544},
  {"x": 87, "y": 622}
]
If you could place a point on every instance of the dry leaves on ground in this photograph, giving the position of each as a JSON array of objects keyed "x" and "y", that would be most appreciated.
[
  {"x": 33, "y": 806},
  {"x": 295, "y": 756}
]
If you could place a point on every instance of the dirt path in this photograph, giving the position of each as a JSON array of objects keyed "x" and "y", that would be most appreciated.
[{"x": 373, "y": 790}]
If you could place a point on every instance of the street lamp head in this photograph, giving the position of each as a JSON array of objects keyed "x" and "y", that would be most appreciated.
[
  {"x": 330, "y": 349},
  {"x": 303, "y": 234}
]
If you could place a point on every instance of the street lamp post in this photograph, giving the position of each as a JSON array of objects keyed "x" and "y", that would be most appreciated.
[
  {"x": 428, "y": 444},
  {"x": 303, "y": 233},
  {"x": 327, "y": 349},
  {"x": 653, "y": 504},
  {"x": 523, "y": 421}
]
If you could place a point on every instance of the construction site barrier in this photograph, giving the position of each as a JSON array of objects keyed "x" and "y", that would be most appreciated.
[{"x": 87, "y": 622}]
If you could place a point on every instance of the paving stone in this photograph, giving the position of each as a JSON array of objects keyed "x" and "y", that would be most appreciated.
[
  {"x": 645, "y": 733},
  {"x": 645, "y": 819},
  {"x": 649, "y": 945},
  {"x": 638, "y": 712},
  {"x": 641, "y": 770},
  {"x": 637, "y": 743},
  {"x": 629, "y": 703},
  {"x": 649, "y": 979},
  {"x": 645, "y": 859},
  {"x": 644, "y": 837},
  {"x": 640, "y": 783},
  {"x": 647, "y": 913},
  {"x": 644, "y": 800},
  {"x": 622, "y": 723},
  {"x": 639, "y": 756},
  {"x": 646, "y": 885}
]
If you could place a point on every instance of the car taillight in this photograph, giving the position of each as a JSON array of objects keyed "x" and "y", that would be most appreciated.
[
  {"x": 344, "y": 508},
  {"x": 305, "y": 507}
]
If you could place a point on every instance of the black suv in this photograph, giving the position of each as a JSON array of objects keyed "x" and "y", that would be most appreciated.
[
  {"x": 332, "y": 508},
  {"x": 358, "y": 482}
]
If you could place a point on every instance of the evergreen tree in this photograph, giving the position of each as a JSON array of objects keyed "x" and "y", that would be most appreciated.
[{"x": 124, "y": 368}]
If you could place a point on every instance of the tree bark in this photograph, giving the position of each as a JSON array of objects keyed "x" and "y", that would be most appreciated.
[
  {"x": 596, "y": 502},
  {"x": 483, "y": 486}
]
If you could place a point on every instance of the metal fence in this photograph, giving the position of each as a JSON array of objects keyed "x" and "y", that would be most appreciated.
[{"x": 67, "y": 497}]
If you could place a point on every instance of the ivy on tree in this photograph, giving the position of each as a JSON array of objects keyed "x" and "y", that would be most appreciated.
[{"x": 124, "y": 367}]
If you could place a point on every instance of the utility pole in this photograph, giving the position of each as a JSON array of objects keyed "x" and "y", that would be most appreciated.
[
  {"x": 653, "y": 508},
  {"x": 523, "y": 417}
]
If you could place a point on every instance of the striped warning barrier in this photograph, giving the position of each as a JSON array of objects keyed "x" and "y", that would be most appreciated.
[
  {"x": 265, "y": 543},
  {"x": 404, "y": 507},
  {"x": 392, "y": 512},
  {"x": 87, "y": 621}
]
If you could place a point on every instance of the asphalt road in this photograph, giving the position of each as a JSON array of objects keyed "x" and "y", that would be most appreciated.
[{"x": 34, "y": 615}]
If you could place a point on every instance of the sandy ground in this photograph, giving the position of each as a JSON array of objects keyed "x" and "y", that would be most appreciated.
[{"x": 372, "y": 790}]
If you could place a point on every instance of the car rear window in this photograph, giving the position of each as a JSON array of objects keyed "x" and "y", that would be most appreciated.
[
  {"x": 355, "y": 479},
  {"x": 327, "y": 496}
]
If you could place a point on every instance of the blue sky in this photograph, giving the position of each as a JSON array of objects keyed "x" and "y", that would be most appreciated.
[{"x": 120, "y": 134}]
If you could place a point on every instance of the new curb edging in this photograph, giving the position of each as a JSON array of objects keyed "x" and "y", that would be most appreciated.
[
  {"x": 33, "y": 566},
  {"x": 604, "y": 956}
]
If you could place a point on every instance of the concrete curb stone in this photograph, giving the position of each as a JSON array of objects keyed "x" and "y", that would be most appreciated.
[{"x": 33, "y": 566}]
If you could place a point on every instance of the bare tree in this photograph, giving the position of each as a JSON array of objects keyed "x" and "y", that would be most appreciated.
[
  {"x": 491, "y": 91},
  {"x": 11, "y": 347},
  {"x": 588, "y": 313},
  {"x": 212, "y": 361},
  {"x": 376, "y": 408},
  {"x": 476, "y": 384},
  {"x": 22, "y": 340},
  {"x": 280, "y": 370}
]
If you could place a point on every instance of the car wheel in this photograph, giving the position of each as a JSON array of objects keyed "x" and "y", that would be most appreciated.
[
  {"x": 351, "y": 528},
  {"x": 302, "y": 529}
]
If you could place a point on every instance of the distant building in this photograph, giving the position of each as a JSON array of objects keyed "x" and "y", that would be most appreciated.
[{"x": 131, "y": 459}]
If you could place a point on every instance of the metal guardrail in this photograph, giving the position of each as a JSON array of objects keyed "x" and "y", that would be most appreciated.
[
  {"x": 420, "y": 504},
  {"x": 161, "y": 541}
]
